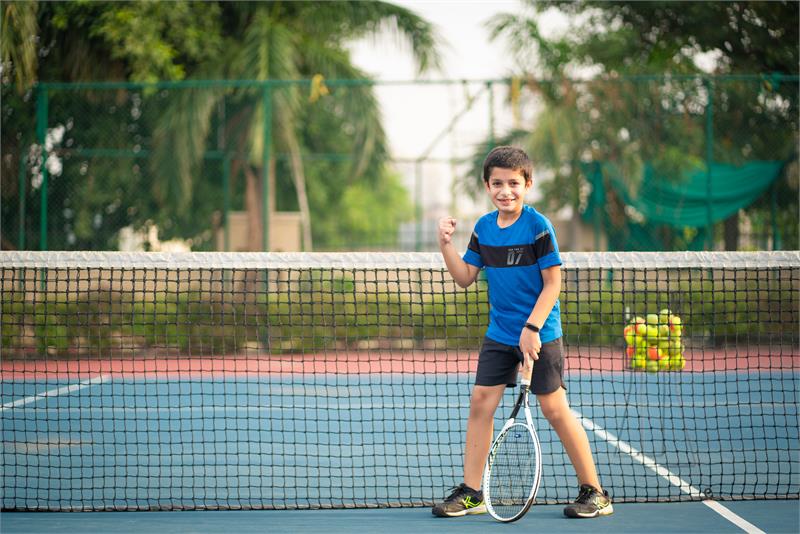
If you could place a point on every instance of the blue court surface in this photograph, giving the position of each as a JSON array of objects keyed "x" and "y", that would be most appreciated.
[
  {"x": 777, "y": 517},
  {"x": 211, "y": 443}
]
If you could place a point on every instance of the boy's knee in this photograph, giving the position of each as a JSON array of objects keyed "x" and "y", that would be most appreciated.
[
  {"x": 484, "y": 402},
  {"x": 554, "y": 407},
  {"x": 553, "y": 414}
]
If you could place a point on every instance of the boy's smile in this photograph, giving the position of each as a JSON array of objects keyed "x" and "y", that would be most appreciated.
[{"x": 507, "y": 188}]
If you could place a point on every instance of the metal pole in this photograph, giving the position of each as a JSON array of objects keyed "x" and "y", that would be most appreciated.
[
  {"x": 22, "y": 191},
  {"x": 267, "y": 105},
  {"x": 226, "y": 201},
  {"x": 41, "y": 134},
  {"x": 599, "y": 203},
  {"x": 418, "y": 205},
  {"x": 490, "y": 88},
  {"x": 709, "y": 162},
  {"x": 777, "y": 243}
]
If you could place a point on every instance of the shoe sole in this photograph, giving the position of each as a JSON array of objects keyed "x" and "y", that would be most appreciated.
[
  {"x": 469, "y": 511},
  {"x": 608, "y": 510}
]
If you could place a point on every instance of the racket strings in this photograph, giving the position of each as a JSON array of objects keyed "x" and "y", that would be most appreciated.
[{"x": 512, "y": 472}]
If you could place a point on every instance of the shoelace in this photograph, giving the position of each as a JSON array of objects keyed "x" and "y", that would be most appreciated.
[
  {"x": 456, "y": 491},
  {"x": 584, "y": 495}
]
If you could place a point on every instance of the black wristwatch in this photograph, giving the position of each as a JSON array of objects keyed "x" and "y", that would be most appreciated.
[{"x": 533, "y": 327}]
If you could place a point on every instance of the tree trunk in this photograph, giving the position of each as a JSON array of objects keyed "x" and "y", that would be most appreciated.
[
  {"x": 252, "y": 198},
  {"x": 300, "y": 186},
  {"x": 732, "y": 232}
]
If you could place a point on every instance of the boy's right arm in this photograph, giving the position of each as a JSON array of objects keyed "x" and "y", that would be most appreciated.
[{"x": 462, "y": 272}]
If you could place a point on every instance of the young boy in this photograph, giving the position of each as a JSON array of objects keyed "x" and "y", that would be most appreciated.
[{"x": 517, "y": 248}]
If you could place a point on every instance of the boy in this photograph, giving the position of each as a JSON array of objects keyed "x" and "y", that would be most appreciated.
[{"x": 517, "y": 248}]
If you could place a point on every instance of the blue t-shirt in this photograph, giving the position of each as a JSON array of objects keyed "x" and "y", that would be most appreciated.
[{"x": 513, "y": 259}]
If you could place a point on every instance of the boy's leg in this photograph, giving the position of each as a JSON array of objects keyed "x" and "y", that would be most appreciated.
[
  {"x": 482, "y": 406},
  {"x": 592, "y": 501},
  {"x": 555, "y": 409},
  {"x": 466, "y": 498}
]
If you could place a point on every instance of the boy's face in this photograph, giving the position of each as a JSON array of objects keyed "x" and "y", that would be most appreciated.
[{"x": 507, "y": 188}]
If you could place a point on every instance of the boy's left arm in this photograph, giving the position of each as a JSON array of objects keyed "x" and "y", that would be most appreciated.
[{"x": 529, "y": 341}]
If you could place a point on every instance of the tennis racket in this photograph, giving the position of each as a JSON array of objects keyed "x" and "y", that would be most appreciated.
[{"x": 514, "y": 467}]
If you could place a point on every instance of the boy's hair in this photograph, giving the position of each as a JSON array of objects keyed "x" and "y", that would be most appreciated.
[{"x": 508, "y": 157}]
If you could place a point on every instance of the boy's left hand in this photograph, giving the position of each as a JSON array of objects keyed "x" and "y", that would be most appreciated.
[{"x": 530, "y": 343}]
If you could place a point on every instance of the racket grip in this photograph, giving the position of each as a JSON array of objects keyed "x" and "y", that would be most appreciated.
[{"x": 526, "y": 373}]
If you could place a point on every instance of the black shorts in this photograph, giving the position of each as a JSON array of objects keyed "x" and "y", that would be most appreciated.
[{"x": 499, "y": 364}]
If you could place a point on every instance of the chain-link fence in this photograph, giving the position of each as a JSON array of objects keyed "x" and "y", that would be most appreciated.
[{"x": 626, "y": 163}]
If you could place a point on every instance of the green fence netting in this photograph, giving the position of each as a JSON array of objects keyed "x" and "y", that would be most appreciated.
[{"x": 694, "y": 201}]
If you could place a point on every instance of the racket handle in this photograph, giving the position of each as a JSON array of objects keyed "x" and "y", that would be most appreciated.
[{"x": 525, "y": 379}]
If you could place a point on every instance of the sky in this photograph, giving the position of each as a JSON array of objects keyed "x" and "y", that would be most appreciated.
[
  {"x": 467, "y": 54},
  {"x": 438, "y": 119}
]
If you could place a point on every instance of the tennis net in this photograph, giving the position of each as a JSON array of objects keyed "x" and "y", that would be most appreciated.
[{"x": 142, "y": 381}]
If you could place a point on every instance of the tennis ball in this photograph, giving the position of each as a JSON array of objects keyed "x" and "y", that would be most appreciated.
[
  {"x": 638, "y": 363},
  {"x": 652, "y": 353},
  {"x": 652, "y": 366},
  {"x": 664, "y": 364},
  {"x": 641, "y": 352},
  {"x": 675, "y": 347},
  {"x": 652, "y": 333},
  {"x": 663, "y": 316},
  {"x": 675, "y": 329},
  {"x": 663, "y": 344},
  {"x": 663, "y": 331},
  {"x": 630, "y": 352},
  {"x": 641, "y": 329},
  {"x": 678, "y": 363},
  {"x": 652, "y": 319},
  {"x": 630, "y": 334}
]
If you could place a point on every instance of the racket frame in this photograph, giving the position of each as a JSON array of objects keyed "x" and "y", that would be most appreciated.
[{"x": 522, "y": 403}]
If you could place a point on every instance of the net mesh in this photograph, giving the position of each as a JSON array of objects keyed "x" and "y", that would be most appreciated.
[
  {"x": 513, "y": 472},
  {"x": 204, "y": 381}
]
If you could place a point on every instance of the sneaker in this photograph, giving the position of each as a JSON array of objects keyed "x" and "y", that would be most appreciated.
[
  {"x": 462, "y": 501},
  {"x": 590, "y": 503}
]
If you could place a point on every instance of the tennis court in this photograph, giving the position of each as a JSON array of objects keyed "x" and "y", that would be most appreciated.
[{"x": 373, "y": 416}]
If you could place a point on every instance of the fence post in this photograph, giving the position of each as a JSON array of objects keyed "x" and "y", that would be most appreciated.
[
  {"x": 226, "y": 201},
  {"x": 490, "y": 88},
  {"x": 709, "y": 162},
  {"x": 41, "y": 135},
  {"x": 23, "y": 189},
  {"x": 265, "y": 154}
]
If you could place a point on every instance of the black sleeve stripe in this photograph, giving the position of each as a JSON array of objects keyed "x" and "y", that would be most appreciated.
[
  {"x": 474, "y": 246},
  {"x": 543, "y": 245}
]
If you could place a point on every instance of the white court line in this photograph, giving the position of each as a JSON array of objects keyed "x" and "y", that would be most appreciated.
[
  {"x": 56, "y": 392},
  {"x": 671, "y": 477}
]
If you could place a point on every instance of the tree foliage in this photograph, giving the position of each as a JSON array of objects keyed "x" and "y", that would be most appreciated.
[
  {"x": 159, "y": 164},
  {"x": 619, "y": 86}
]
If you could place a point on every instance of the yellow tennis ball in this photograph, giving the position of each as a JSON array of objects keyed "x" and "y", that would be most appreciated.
[
  {"x": 652, "y": 333},
  {"x": 630, "y": 334}
]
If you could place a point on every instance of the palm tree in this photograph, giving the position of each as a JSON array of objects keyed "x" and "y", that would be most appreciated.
[
  {"x": 18, "y": 41},
  {"x": 277, "y": 41}
]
